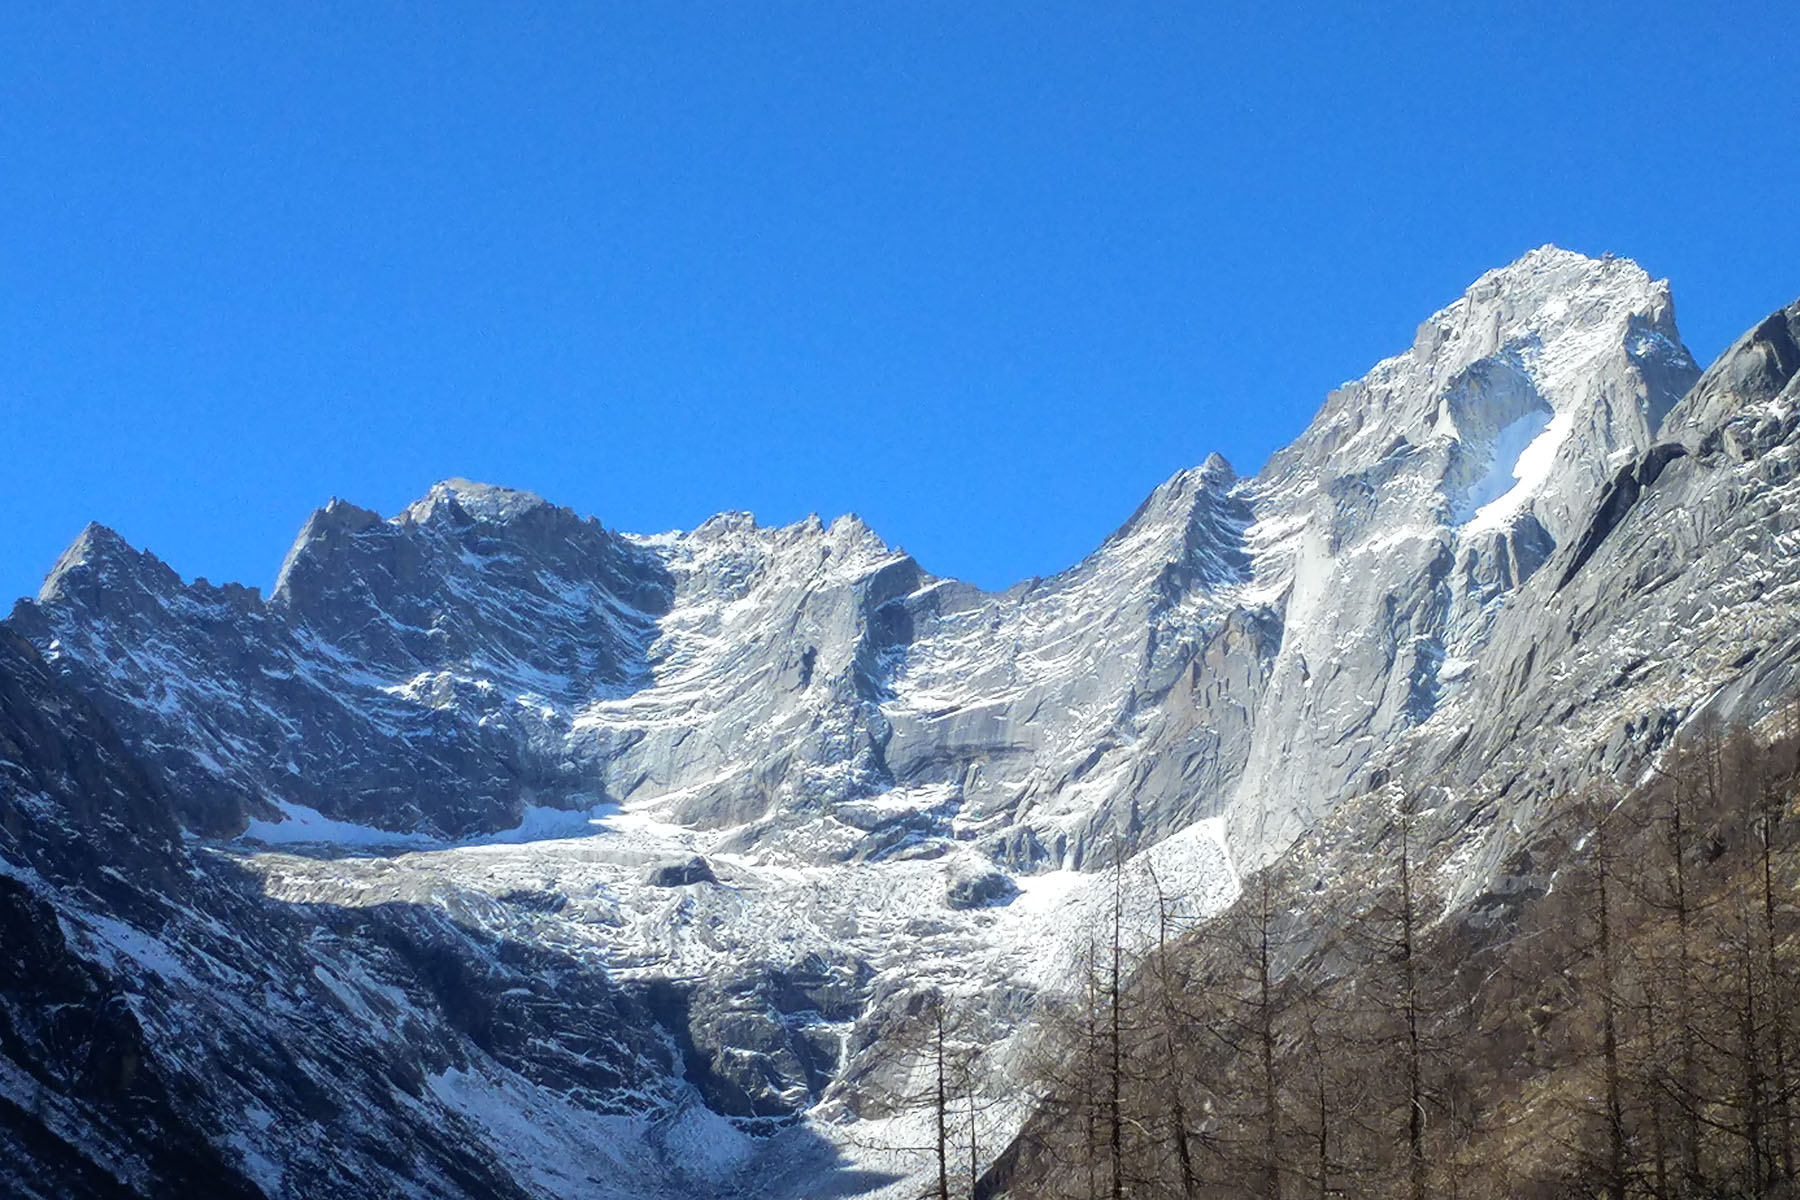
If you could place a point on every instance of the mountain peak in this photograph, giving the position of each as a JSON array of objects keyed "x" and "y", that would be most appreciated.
[
  {"x": 100, "y": 556},
  {"x": 1551, "y": 256},
  {"x": 1191, "y": 519},
  {"x": 1218, "y": 470},
  {"x": 733, "y": 523},
  {"x": 483, "y": 501},
  {"x": 1558, "y": 300},
  {"x": 97, "y": 539},
  {"x": 337, "y": 517},
  {"x": 1542, "y": 371}
]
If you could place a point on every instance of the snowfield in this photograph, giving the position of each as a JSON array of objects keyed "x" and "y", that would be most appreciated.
[{"x": 894, "y": 916}]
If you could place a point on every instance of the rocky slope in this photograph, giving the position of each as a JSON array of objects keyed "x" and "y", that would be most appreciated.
[{"x": 576, "y": 827}]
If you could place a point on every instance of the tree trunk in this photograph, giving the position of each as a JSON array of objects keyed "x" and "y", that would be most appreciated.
[
  {"x": 1778, "y": 1000},
  {"x": 943, "y": 1107},
  {"x": 1686, "y": 1085},
  {"x": 1415, "y": 1071},
  {"x": 1609, "y": 1022},
  {"x": 1265, "y": 1032},
  {"x": 1170, "y": 1015},
  {"x": 1115, "y": 1074}
]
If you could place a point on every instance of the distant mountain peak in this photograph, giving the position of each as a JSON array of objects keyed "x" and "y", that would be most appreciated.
[
  {"x": 1571, "y": 308},
  {"x": 483, "y": 501},
  {"x": 1217, "y": 469},
  {"x": 1544, "y": 369},
  {"x": 93, "y": 542},
  {"x": 100, "y": 560}
]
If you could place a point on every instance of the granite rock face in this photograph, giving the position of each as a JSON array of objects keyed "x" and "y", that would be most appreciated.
[
  {"x": 1742, "y": 403},
  {"x": 683, "y": 831},
  {"x": 167, "y": 1027},
  {"x": 381, "y": 681},
  {"x": 1226, "y": 649}
]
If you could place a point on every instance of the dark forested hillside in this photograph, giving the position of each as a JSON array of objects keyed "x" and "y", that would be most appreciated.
[{"x": 1623, "y": 1026}]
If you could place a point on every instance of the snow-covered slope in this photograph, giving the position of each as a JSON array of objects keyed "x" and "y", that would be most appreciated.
[{"x": 759, "y": 789}]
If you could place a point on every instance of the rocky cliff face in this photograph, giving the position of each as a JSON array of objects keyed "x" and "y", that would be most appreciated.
[
  {"x": 1425, "y": 496},
  {"x": 399, "y": 674},
  {"x": 658, "y": 829},
  {"x": 165, "y": 1026}
]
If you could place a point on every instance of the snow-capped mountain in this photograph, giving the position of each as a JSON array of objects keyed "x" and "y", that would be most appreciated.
[{"x": 528, "y": 845}]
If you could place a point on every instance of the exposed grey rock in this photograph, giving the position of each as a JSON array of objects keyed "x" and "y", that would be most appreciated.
[
  {"x": 400, "y": 675},
  {"x": 165, "y": 1028},
  {"x": 692, "y": 870},
  {"x": 1743, "y": 399},
  {"x": 979, "y": 891},
  {"x": 765, "y": 1045}
]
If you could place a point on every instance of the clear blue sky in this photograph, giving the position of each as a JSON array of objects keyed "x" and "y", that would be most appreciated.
[{"x": 984, "y": 273}]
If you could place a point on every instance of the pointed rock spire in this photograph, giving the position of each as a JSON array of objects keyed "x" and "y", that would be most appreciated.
[{"x": 100, "y": 567}]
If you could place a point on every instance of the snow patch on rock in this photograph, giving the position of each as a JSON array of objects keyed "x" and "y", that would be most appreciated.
[
  {"x": 300, "y": 825},
  {"x": 1523, "y": 457}
]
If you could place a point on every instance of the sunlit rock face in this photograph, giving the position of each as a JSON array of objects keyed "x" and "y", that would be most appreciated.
[
  {"x": 1234, "y": 644},
  {"x": 653, "y": 846},
  {"x": 1425, "y": 495}
]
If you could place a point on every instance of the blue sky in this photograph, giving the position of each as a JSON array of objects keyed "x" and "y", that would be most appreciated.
[{"x": 982, "y": 273}]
